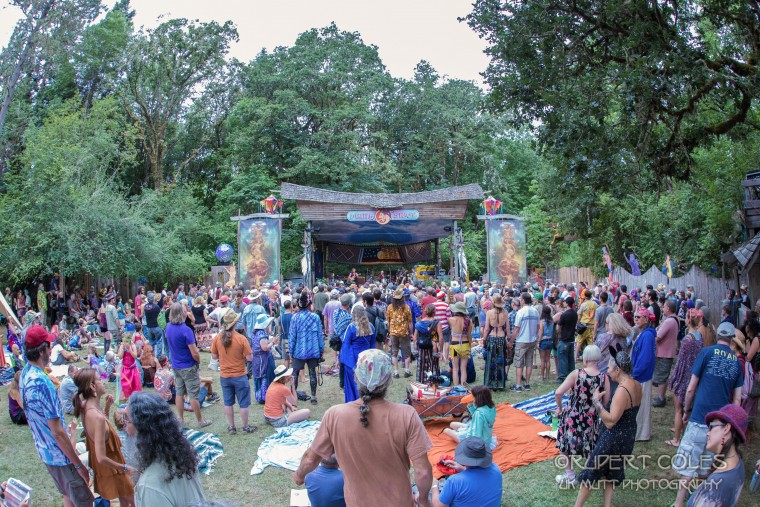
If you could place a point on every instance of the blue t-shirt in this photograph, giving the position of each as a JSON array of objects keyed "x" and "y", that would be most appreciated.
[
  {"x": 474, "y": 487},
  {"x": 719, "y": 372},
  {"x": 285, "y": 321},
  {"x": 720, "y": 489},
  {"x": 41, "y": 403},
  {"x": 325, "y": 487},
  {"x": 179, "y": 336}
]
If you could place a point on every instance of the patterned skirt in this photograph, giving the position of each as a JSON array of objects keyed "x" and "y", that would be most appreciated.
[
  {"x": 203, "y": 336},
  {"x": 426, "y": 362},
  {"x": 496, "y": 360}
]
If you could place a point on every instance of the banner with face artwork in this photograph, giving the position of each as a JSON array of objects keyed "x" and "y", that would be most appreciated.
[
  {"x": 506, "y": 251},
  {"x": 258, "y": 251}
]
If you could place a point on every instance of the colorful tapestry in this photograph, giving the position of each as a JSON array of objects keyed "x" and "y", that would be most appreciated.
[
  {"x": 207, "y": 446},
  {"x": 258, "y": 251},
  {"x": 285, "y": 447},
  {"x": 539, "y": 407},
  {"x": 380, "y": 255},
  {"x": 506, "y": 251}
]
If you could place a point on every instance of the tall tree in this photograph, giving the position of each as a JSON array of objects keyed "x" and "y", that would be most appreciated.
[{"x": 168, "y": 68}]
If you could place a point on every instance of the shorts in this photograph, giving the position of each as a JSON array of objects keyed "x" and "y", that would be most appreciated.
[
  {"x": 692, "y": 459},
  {"x": 298, "y": 364},
  {"x": 70, "y": 484},
  {"x": 285, "y": 350},
  {"x": 402, "y": 343},
  {"x": 458, "y": 350},
  {"x": 447, "y": 335},
  {"x": 546, "y": 344},
  {"x": 187, "y": 381},
  {"x": 524, "y": 354},
  {"x": 662, "y": 367},
  {"x": 103, "y": 329},
  {"x": 278, "y": 422},
  {"x": 236, "y": 388},
  {"x": 586, "y": 337},
  {"x": 59, "y": 360}
]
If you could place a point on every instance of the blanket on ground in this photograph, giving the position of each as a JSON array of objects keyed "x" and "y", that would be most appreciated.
[
  {"x": 538, "y": 407},
  {"x": 285, "y": 447},
  {"x": 208, "y": 446}
]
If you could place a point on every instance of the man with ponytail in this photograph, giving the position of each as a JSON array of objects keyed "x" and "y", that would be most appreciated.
[{"x": 357, "y": 433}]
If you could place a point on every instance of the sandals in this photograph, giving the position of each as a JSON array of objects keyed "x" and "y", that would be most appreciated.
[
  {"x": 249, "y": 429},
  {"x": 673, "y": 442},
  {"x": 204, "y": 423},
  {"x": 232, "y": 430}
]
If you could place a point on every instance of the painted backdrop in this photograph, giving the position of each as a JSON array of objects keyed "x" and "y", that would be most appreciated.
[
  {"x": 258, "y": 251},
  {"x": 506, "y": 251}
]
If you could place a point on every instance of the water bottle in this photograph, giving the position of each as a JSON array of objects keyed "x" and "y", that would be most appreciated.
[
  {"x": 555, "y": 422},
  {"x": 754, "y": 485}
]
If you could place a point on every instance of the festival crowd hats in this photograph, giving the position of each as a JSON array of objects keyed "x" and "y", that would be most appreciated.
[
  {"x": 645, "y": 312},
  {"x": 224, "y": 299},
  {"x": 373, "y": 369},
  {"x": 229, "y": 319},
  {"x": 36, "y": 335},
  {"x": 282, "y": 371},
  {"x": 254, "y": 295},
  {"x": 459, "y": 307},
  {"x": 262, "y": 321},
  {"x": 726, "y": 330},
  {"x": 440, "y": 294},
  {"x": 398, "y": 294},
  {"x": 734, "y": 415},
  {"x": 473, "y": 452}
]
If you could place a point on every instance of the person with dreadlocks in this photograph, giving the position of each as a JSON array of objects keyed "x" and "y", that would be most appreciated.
[
  {"x": 306, "y": 343},
  {"x": 357, "y": 433}
]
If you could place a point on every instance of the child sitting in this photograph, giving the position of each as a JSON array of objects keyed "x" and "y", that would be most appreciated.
[
  {"x": 110, "y": 364},
  {"x": 17, "y": 359},
  {"x": 163, "y": 381},
  {"x": 483, "y": 416},
  {"x": 15, "y": 403}
]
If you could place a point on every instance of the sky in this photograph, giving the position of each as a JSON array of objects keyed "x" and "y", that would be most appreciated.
[{"x": 405, "y": 31}]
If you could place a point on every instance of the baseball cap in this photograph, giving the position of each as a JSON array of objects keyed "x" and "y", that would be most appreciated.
[
  {"x": 726, "y": 330},
  {"x": 36, "y": 335},
  {"x": 224, "y": 299}
]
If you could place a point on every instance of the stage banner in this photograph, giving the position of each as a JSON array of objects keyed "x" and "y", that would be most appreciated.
[
  {"x": 506, "y": 251},
  {"x": 258, "y": 251},
  {"x": 381, "y": 255}
]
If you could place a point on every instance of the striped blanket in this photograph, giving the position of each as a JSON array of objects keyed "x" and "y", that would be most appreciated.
[
  {"x": 285, "y": 447},
  {"x": 538, "y": 407},
  {"x": 208, "y": 446}
]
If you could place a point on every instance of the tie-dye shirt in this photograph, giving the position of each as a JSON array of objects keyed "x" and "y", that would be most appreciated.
[{"x": 41, "y": 403}]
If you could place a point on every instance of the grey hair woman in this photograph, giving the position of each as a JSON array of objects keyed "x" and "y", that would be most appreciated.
[{"x": 167, "y": 460}]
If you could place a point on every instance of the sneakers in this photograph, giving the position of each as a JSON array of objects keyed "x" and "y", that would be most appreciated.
[
  {"x": 213, "y": 398},
  {"x": 526, "y": 387},
  {"x": 206, "y": 404},
  {"x": 407, "y": 374},
  {"x": 564, "y": 480},
  {"x": 395, "y": 374},
  {"x": 516, "y": 388},
  {"x": 313, "y": 400},
  {"x": 249, "y": 429},
  {"x": 658, "y": 402},
  {"x": 231, "y": 430}
]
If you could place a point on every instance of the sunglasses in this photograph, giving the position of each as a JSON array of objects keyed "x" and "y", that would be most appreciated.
[{"x": 716, "y": 425}]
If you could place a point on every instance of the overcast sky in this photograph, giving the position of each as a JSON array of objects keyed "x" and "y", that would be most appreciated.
[{"x": 405, "y": 31}]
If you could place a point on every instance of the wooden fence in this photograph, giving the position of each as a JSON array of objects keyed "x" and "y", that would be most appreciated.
[{"x": 709, "y": 289}]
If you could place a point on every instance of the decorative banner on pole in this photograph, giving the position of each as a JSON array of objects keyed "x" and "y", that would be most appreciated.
[
  {"x": 506, "y": 250},
  {"x": 271, "y": 205},
  {"x": 259, "y": 251},
  {"x": 491, "y": 205}
]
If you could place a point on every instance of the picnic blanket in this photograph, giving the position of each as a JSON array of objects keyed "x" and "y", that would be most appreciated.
[
  {"x": 6, "y": 375},
  {"x": 285, "y": 447},
  {"x": 517, "y": 433},
  {"x": 538, "y": 407},
  {"x": 208, "y": 446}
]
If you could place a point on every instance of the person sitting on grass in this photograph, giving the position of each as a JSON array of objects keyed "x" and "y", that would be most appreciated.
[
  {"x": 281, "y": 405},
  {"x": 163, "y": 381},
  {"x": 478, "y": 482},
  {"x": 15, "y": 402},
  {"x": 59, "y": 355},
  {"x": 110, "y": 365},
  {"x": 325, "y": 484},
  {"x": 482, "y": 418}
]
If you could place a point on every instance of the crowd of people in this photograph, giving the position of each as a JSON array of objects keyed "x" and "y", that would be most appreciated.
[{"x": 633, "y": 347}]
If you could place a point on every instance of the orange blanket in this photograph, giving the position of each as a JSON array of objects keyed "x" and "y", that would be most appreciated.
[{"x": 516, "y": 431}]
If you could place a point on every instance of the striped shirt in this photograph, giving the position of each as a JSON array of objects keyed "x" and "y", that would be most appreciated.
[{"x": 442, "y": 313}]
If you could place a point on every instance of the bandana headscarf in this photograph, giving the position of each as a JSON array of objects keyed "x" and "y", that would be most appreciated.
[
  {"x": 646, "y": 313},
  {"x": 373, "y": 369}
]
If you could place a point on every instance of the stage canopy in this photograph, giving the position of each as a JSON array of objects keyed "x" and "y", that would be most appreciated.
[{"x": 381, "y": 219}]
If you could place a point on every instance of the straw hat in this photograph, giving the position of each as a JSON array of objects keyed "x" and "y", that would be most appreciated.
[
  {"x": 229, "y": 319},
  {"x": 282, "y": 371},
  {"x": 398, "y": 294}
]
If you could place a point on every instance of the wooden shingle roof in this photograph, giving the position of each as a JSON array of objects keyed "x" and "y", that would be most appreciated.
[
  {"x": 380, "y": 201},
  {"x": 744, "y": 253}
]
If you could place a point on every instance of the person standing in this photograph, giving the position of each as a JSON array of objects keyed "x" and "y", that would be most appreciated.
[
  {"x": 496, "y": 333},
  {"x": 153, "y": 332},
  {"x": 307, "y": 343},
  {"x": 42, "y": 303},
  {"x": 262, "y": 366},
  {"x": 44, "y": 414},
  {"x": 232, "y": 350},
  {"x": 643, "y": 359},
  {"x": 586, "y": 314},
  {"x": 442, "y": 315},
  {"x": 113, "y": 324},
  {"x": 357, "y": 433},
  {"x": 716, "y": 380},
  {"x": 341, "y": 321},
  {"x": 667, "y": 342},
  {"x": 566, "y": 322},
  {"x": 400, "y": 329},
  {"x": 185, "y": 359},
  {"x": 328, "y": 311},
  {"x": 320, "y": 300},
  {"x": 359, "y": 336},
  {"x": 691, "y": 345},
  {"x": 523, "y": 340}
]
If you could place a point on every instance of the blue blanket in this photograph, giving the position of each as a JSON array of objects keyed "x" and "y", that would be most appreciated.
[
  {"x": 538, "y": 407},
  {"x": 208, "y": 446},
  {"x": 285, "y": 447}
]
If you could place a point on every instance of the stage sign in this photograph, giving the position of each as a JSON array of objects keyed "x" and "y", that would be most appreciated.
[
  {"x": 258, "y": 251},
  {"x": 506, "y": 251},
  {"x": 382, "y": 217}
]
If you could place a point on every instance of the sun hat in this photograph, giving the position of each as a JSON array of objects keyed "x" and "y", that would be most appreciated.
[
  {"x": 373, "y": 369},
  {"x": 282, "y": 371},
  {"x": 229, "y": 319},
  {"x": 254, "y": 295},
  {"x": 36, "y": 335},
  {"x": 734, "y": 415},
  {"x": 262, "y": 321},
  {"x": 473, "y": 452},
  {"x": 726, "y": 330},
  {"x": 224, "y": 299},
  {"x": 334, "y": 294},
  {"x": 398, "y": 294},
  {"x": 459, "y": 307},
  {"x": 497, "y": 301}
]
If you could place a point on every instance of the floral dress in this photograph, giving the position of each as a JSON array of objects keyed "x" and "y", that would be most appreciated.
[
  {"x": 579, "y": 423},
  {"x": 687, "y": 356}
]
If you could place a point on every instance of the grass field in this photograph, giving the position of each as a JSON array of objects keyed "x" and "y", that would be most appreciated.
[{"x": 230, "y": 481}]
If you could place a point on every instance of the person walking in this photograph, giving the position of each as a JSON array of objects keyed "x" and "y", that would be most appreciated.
[
  {"x": 400, "y": 329},
  {"x": 307, "y": 343},
  {"x": 357, "y": 433},
  {"x": 427, "y": 339},
  {"x": 185, "y": 359},
  {"x": 44, "y": 414},
  {"x": 232, "y": 350},
  {"x": 262, "y": 366},
  {"x": 359, "y": 336}
]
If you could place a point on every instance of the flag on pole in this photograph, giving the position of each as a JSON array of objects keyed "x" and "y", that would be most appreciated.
[{"x": 668, "y": 267}]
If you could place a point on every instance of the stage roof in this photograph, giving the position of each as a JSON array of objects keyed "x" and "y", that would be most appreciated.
[{"x": 329, "y": 213}]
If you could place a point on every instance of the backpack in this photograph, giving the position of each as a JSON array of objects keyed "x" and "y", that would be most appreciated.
[
  {"x": 378, "y": 320},
  {"x": 425, "y": 339},
  {"x": 749, "y": 381},
  {"x": 161, "y": 319}
]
